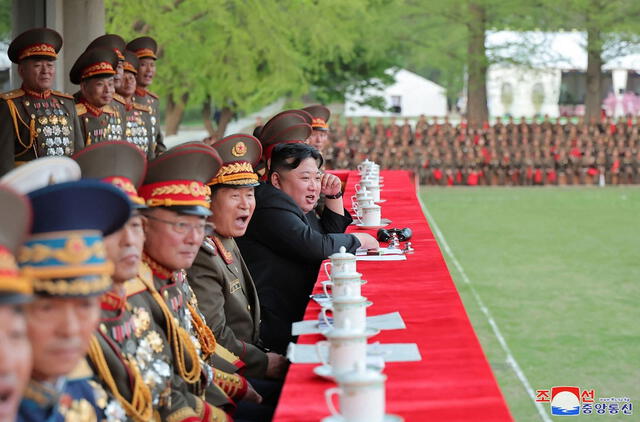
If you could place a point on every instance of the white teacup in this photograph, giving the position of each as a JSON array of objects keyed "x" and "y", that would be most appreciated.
[
  {"x": 363, "y": 166},
  {"x": 373, "y": 189},
  {"x": 345, "y": 285},
  {"x": 348, "y": 314},
  {"x": 371, "y": 215},
  {"x": 362, "y": 396},
  {"x": 346, "y": 348},
  {"x": 358, "y": 206},
  {"x": 340, "y": 262}
]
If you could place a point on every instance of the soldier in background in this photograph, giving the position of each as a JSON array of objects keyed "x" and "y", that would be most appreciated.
[
  {"x": 146, "y": 48},
  {"x": 36, "y": 121},
  {"x": 138, "y": 126},
  {"x": 94, "y": 71}
]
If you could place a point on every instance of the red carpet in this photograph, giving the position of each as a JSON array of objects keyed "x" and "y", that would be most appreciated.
[{"x": 453, "y": 382}]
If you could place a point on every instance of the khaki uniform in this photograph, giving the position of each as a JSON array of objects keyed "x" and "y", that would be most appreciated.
[
  {"x": 100, "y": 124},
  {"x": 138, "y": 128},
  {"x": 228, "y": 299},
  {"x": 148, "y": 98},
  {"x": 33, "y": 125}
]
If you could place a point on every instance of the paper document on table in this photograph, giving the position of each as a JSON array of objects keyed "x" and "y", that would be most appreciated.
[
  {"x": 390, "y": 321},
  {"x": 381, "y": 258},
  {"x": 391, "y": 352}
]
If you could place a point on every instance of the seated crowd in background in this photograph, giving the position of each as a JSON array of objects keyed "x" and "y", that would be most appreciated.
[{"x": 505, "y": 153}]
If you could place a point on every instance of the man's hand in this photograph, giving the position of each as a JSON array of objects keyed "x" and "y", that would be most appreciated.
[
  {"x": 276, "y": 366},
  {"x": 252, "y": 395},
  {"x": 330, "y": 184},
  {"x": 367, "y": 241}
]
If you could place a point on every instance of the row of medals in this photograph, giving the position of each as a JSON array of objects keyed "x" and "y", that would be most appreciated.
[
  {"x": 137, "y": 134},
  {"x": 112, "y": 131},
  {"x": 56, "y": 130}
]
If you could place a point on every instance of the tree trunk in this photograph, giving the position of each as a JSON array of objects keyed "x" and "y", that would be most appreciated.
[
  {"x": 225, "y": 118},
  {"x": 174, "y": 113},
  {"x": 206, "y": 116},
  {"x": 593, "y": 101},
  {"x": 477, "y": 111}
]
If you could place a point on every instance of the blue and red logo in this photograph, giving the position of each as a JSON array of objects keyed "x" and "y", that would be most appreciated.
[{"x": 570, "y": 401}]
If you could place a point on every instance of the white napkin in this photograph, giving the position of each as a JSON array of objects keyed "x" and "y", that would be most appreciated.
[
  {"x": 381, "y": 258},
  {"x": 390, "y": 321},
  {"x": 391, "y": 352}
]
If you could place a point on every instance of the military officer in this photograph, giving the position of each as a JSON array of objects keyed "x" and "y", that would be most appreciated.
[
  {"x": 36, "y": 121},
  {"x": 117, "y": 44},
  {"x": 129, "y": 341},
  {"x": 15, "y": 291},
  {"x": 219, "y": 277},
  {"x": 320, "y": 126},
  {"x": 178, "y": 201},
  {"x": 138, "y": 127},
  {"x": 145, "y": 48},
  {"x": 65, "y": 257},
  {"x": 94, "y": 71}
]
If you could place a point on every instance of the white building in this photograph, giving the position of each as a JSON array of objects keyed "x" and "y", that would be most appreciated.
[
  {"x": 553, "y": 79},
  {"x": 411, "y": 95}
]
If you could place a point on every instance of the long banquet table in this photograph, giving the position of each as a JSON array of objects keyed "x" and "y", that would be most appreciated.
[{"x": 453, "y": 381}]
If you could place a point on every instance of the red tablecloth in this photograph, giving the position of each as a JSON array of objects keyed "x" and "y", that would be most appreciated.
[{"x": 453, "y": 382}]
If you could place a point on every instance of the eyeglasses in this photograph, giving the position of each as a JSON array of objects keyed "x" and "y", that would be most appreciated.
[{"x": 182, "y": 227}]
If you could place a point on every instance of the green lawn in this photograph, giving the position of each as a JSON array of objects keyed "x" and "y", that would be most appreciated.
[{"x": 559, "y": 271}]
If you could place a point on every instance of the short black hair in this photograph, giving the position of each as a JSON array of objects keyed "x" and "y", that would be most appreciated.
[{"x": 286, "y": 157}]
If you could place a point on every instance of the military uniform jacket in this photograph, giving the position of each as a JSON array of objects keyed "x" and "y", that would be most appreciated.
[
  {"x": 148, "y": 98},
  {"x": 36, "y": 125},
  {"x": 138, "y": 128},
  {"x": 219, "y": 383},
  {"x": 228, "y": 299},
  {"x": 75, "y": 398},
  {"x": 99, "y": 124}
]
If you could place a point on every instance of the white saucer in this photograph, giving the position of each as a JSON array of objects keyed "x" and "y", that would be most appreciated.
[
  {"x": 387, "y": 418},
  {"x": 382, "y": 221},
  {"x": 380, "y": 201},
  {"x": 368, "y": 331},
  {"x": 324, "y": 371},
  {"x": 362, "y": 226},
  {"x": 323, "y": 282}
]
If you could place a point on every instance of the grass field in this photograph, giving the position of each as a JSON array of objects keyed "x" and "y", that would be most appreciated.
[{"x": 559, "y": 271}]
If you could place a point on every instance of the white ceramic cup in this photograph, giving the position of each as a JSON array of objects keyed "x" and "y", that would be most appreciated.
[
  {"x": 371, "y": 215},
  {"x": 340, "y": 262},
  {"x": 348, "y": 314},
  {"x": 346, "y": 348},
  {"x": 363, "y": 166},
  {"x": 362, "y": 396},
  {"x": 344, "y": 286}
]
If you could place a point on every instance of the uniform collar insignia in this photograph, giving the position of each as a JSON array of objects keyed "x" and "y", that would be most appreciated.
[
  {"x": 42, "y": 95},
  {"x": 112, "y": 301},
  {"x": 224, "y": 253},
  {"x": 96, "y": 111},
  {"x": 140, "y": 91},
  {"x": 157, "y": 269}
]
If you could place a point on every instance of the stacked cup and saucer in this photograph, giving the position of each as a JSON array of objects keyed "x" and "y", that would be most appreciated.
[{"x": 346, "y": 331}]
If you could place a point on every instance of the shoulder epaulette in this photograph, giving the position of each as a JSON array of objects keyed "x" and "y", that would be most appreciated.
[
  {"x": 81, "y": 109},
  {"x": 62, "y": 94},
  {"x": 209, "y": 246},
  {"x": 108, "y": 109},
  {"x": 10, "y": 95},
  {"x": 134, "y": 286},
  {"x": 81, "y": 371},
  {"x": 142, "y": 107},
  {"x": 119, "y": 98},
  {"x": 153, "y": 94}
]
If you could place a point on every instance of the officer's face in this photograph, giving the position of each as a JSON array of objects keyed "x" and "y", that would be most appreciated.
[
  {"x": 117, "y": 78},
  {"x": 318, "y": 139},
  {"x": 232, "y": 209},
  {"x": 98, "y": 91},
  {"x": 172, "y": 247},
  {"x": 60, "y": 330},
  {"x": 37, "y": 74},
  {"x": 302, "y": 184},
  {"x": 146, "y": 71},
  {"x": 15, "y": 360},
  {"x": 124, "y": 249},
  {"x": 128, "y": 86}
]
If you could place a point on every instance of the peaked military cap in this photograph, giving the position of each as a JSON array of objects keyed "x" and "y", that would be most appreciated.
[
  {"x": 16, "y": 217},
  {"x": 321, "y": 115},
  {"x": 119, "y": 163},
  {"x": 176, "y": 179},
  {"x": 239, "y": 154},
  {"x": 42, "y": 172},
  {"x": 97, "y": 62},
  {"x": 144, "y": 47},
  {"x": 287, "y": 126},
  {"x": 111, "y": 41},
  {"x": 131, "y": 62},
  {"x": 40, "y": 43},
  {"x": 65, "y": 254}
]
